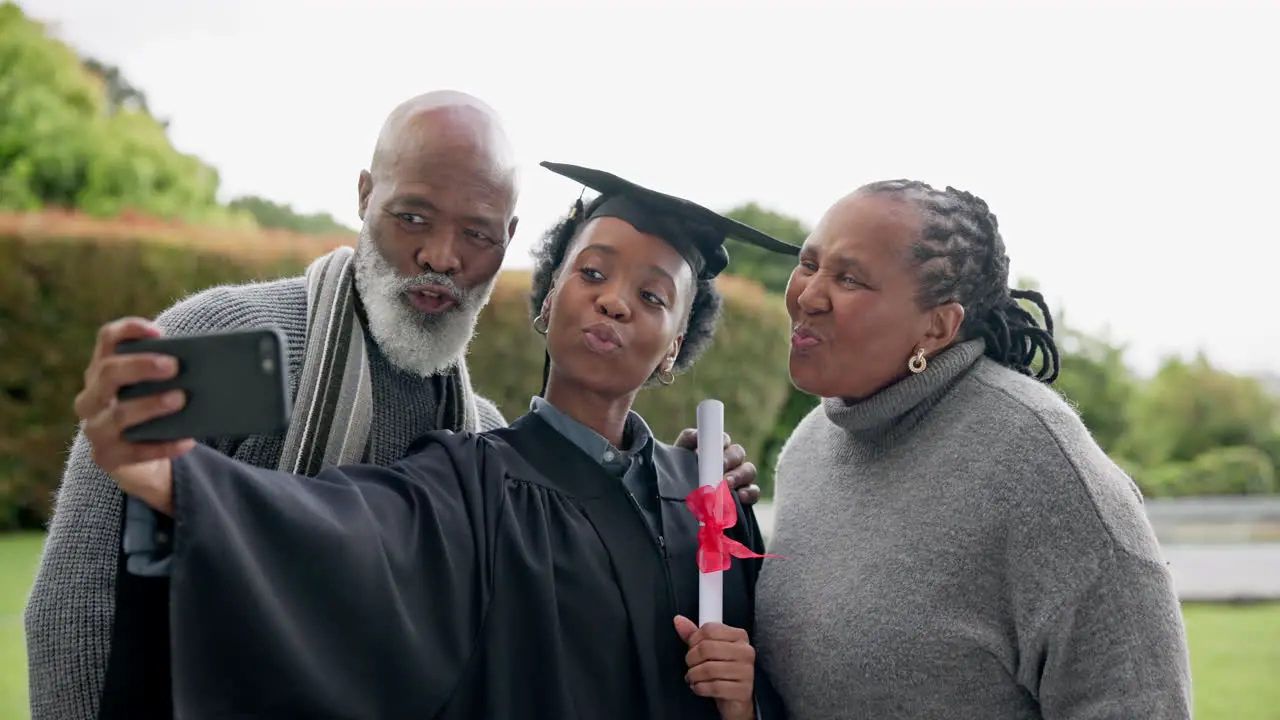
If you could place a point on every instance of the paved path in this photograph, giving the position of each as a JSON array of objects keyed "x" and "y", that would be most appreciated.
[
  {"x": 1225, "y": 572},
  {"x": 1200, "y": 572}
]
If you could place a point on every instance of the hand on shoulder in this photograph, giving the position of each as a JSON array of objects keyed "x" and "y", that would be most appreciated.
[{"x": 738, "y": 471}]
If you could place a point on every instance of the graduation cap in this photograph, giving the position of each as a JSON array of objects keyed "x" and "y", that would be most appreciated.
[{"x": 696, "y": 232}]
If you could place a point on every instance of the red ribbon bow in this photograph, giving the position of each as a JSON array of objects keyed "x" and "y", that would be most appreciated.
[{"x": 714, "y": 506}]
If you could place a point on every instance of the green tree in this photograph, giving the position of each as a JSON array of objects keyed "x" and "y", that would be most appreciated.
[
  {"x": 771, "y": 270},
  {"x": 120, "y": 93},
  {"x": 46, "y": 100},
  {"x": 1190, "y": 407},
  {"x": 75, "y": 134},
  {"x": 283, "y": 217}
]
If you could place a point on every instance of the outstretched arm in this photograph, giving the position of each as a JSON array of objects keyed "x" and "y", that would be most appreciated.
[{"x": 344, "y": 594}]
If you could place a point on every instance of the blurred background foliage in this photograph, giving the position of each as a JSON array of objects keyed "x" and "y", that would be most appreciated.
[{"x": 90, "y": 179}]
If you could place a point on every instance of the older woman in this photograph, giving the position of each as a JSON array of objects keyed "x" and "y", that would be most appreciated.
[{"x": 958, "y": 545}]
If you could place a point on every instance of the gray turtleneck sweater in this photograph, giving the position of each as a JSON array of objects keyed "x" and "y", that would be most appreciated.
[{"x": 957, "y": 546}]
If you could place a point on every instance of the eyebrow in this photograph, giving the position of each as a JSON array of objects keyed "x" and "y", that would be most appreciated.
[
  {"x": 848, "y": 263},
  {"x": 843, "y": 262},
  {"x": 613, "y": 252},
  {"x": 414, "y": 202}
]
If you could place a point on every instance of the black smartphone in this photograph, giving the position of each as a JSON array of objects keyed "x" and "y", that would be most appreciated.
[{"x": 236, "y": 384}]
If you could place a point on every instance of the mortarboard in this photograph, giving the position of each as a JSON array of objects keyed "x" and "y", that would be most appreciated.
[{"x": 696, "y": 232}]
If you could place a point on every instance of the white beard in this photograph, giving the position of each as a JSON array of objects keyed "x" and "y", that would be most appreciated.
[{"x": 413, "y": 341}]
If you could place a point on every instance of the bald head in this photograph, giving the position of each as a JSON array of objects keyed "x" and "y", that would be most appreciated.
[
  {"x": 443, "y": 170},
  {"x": 451, "y": 128},
  {"x": 438, "y": 205}
]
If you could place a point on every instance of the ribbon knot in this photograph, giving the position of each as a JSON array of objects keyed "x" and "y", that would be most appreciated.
[{"x": 713, "y": 505}]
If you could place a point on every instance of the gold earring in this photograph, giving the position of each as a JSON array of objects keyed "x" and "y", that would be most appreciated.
[
  {"x": 917, "y": 363},
  {"x": 666, "y": 377},
  {"x": 540, "y": 324}
]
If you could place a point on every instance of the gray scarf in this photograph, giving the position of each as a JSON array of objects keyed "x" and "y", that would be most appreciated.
[{"x": 333, "y": 410}]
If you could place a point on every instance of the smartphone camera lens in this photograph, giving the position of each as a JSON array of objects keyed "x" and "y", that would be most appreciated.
[{"x": 265, "y": 352}]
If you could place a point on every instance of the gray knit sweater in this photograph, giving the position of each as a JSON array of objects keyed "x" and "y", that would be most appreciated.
[
  {"x": 69, "y": 614},
  {"x": 957, "y": 546}
]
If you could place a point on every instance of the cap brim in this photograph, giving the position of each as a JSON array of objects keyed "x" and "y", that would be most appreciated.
[{"x": 608, "y": 184}]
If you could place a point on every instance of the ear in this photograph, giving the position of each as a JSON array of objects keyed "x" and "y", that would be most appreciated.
[
  {"x": 364, "y": 190},
  {"x": 669, "y": 360},
  {"x": 511, "y": 227},
  {"x": 545, "y": 311},
  {"x": 943, "y": 327}
]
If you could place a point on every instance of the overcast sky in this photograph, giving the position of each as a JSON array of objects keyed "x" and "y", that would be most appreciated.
[{"x": 1130, "y": 150}]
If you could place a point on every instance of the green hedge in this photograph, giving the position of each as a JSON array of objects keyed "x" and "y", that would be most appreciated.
[
  {"x": 1240, "y": 470},
  {"x": 56, "y": 291},
  {"x": 53, "y": 297}
]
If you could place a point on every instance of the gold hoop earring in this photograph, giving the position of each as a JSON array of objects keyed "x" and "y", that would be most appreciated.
[
  {"x": 917, "y": 363},
  {"x": 540, "y": 325},
  {"x": 666, "y": 377}
]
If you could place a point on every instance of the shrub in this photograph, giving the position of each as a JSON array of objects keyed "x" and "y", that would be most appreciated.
[
  {"x": 1239, "y": 470},
  {"x": 62, "y": 276}
]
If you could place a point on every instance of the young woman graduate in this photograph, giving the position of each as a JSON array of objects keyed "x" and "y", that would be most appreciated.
[{"x": 546, "y": 570}]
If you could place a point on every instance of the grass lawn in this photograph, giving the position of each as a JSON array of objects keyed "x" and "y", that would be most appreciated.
[
  {"x": 18, "y": 557},
  {"x": 1235, "y": 649}
]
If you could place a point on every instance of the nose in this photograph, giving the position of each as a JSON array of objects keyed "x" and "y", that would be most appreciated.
[
  {"x": 609, "y": 303},
  {"x": 439, "y": 253},
  {"x": 813, "y": 298}
]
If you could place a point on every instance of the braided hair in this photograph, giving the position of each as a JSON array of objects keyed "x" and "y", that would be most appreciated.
[
  {"x": 549, "y": 255},
  {"x": 960, "y": 257}
]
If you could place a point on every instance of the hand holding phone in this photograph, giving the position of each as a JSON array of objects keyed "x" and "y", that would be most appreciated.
[
  {"x": 106, "y": 418},
  {"x": 235, "y": 384},
  {"x": 146, "y": 397}
]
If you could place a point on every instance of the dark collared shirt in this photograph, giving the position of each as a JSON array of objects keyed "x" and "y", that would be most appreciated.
[{"x": 634, "y": 466}]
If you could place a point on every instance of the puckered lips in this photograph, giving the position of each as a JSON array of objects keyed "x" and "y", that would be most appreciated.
[
  {"x": 804, "y": 338},
  {"x": 602, "y": 338},
  {"x": 432, "y": 299}
]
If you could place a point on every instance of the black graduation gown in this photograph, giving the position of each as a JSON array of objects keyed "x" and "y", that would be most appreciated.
[
  {"x": 137, "y": 683},
  {"x": 502, "y": 575}
]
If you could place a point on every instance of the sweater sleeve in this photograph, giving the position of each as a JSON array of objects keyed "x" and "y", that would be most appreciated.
[
  {"x": 490, "y": 417},
  {"x": 1118, "y": 650},
  {"x": 70, "y": 610}
]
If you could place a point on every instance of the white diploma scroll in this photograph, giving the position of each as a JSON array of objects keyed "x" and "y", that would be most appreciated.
[{"x": 710, "y": 473}]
